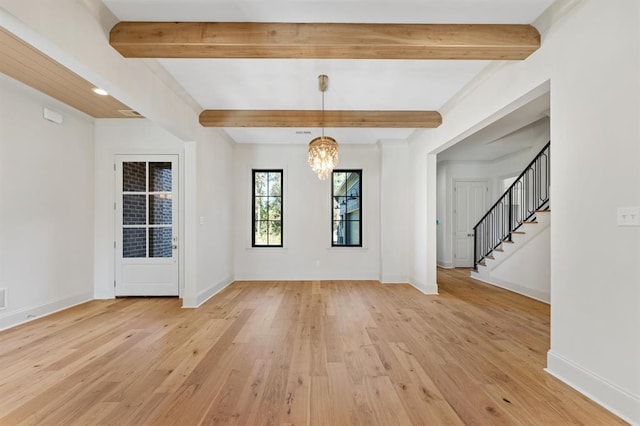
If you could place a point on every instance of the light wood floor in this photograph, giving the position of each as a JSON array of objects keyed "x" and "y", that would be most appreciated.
[{"x": 273, "y": 353}]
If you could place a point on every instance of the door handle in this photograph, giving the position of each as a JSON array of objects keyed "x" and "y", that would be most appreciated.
[{"x": 469, "y": 235}]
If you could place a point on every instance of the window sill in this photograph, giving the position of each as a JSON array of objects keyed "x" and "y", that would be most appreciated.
[
  {"x": 347, "y": 248},
  {"x": 267, "y": 249}
]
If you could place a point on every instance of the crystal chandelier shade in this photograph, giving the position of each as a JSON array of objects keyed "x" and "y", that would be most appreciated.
[
  {"x": 323, "y": 150},
  {"x": 323, "y": 156}
]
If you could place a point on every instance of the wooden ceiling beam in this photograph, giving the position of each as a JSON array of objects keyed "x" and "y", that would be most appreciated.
[
  {"x": 323, "y": 41},
  {"x": 313, "y": 118},
  {"x": 23, "y": 62}
]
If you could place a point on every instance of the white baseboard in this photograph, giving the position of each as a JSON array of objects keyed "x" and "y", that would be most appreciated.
[
  {"x": 611, "y": 397},
  {"x": 394, "y": 279},
  {"x": 103, "y": 295},
  {"x": 531, "y": 293},
  {"x": 445, "y": 265},
  {"x": 284, "y": 276},
  {"x": 24, "y": 315},
  {"x": 207, "y": 294},
  {"x": 424, "y": 288}
]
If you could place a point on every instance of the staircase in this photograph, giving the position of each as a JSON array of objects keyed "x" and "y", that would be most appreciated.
[
  {"x": 522, "y": 264},
  {"x": 523, "y": 209}
]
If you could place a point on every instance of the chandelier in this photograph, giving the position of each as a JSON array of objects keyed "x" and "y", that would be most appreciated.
[{"x": 323, "y": 150}]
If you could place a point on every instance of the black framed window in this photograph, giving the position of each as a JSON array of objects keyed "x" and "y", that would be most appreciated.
[
  {"x": 346, "y": 195},
  {"x": 267, "y": 208}
]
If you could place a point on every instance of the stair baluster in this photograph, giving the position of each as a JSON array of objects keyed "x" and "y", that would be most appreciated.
[{"x": 519, "y": 203}]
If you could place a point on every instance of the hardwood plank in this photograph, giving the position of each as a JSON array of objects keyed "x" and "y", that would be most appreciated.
[
  {"x": 280, "y": 353},
  {"x": 384, "y": 401},
  {"x": 45, "y": 401},
  {"x": 222, "y": 407},
  {"x": 341, "y": 394},
  {"x": 419, "y": 391},
  {"x": 246, "y": 409},
  {"x": 323, "y": 40},
  {"x": 298, "y": 391},
  {"x": 322, "y": 411},
  {"x": 316, "y": 118},
  {"x": 300, "y": 352},
  {"x": 318, "y": 341}
]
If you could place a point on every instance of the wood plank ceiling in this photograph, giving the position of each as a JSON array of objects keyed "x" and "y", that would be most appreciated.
[
  {"x": 24, "y": 63},
  {"x": 323, "y": 41}
]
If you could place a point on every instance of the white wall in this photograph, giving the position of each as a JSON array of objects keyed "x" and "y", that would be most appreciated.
[
  {"x": 307, "y": 252},
  {"x": 595, "y": 292},
  {"x": 394, "y": 211},
  {"x": 527, "y": 270},
  {"x": 205, "y": 254},
  {"x": 46, "y": 205},
  {"x": 423, "y": 187},
  {"x": 595, "y": 265},
  {"x": 214, "y": 215},
  {"x": 125, "y": 136},
  {"x": 444, "y": 245},
  {"x": 493, "y": 171},
  {"x": 524, "y": 266}
]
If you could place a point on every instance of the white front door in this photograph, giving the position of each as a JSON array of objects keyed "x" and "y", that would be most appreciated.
[
  {"x": 146, "y": 248},
  {"x": 469, "y": 205}
]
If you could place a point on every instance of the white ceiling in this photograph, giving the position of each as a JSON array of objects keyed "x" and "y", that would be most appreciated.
[
  {"x": 490, "y": 142},
  {"x": 352, "y": 11},
  {"x": 353, "y": 84}
]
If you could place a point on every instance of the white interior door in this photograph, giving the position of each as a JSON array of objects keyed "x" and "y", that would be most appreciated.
[
  {"x": 470, "y": 203},
  {"x": 146, "y": 248}
]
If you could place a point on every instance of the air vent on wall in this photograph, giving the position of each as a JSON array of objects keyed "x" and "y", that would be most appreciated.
[
  {"x": 130, "y": 113},
  {"x": 3, "y": 298},
  {"x": 51, "y": 115}
]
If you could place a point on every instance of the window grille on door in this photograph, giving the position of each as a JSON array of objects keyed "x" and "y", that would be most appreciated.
[{"x": 147, "y": 205}]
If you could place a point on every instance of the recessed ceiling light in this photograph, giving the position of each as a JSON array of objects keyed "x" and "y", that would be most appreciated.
[{"x": 100, "y": 91}]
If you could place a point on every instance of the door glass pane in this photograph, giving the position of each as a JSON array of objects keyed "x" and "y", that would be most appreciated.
[
  {"x": 160, "y": 242},
  {"x": 134, "y": 210},
  {"x": 134, "y": 176},
  {"x": 160, "y": 177},
  {"x": 134, "y": 242},
  {"x": 160, "y": 209}
]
